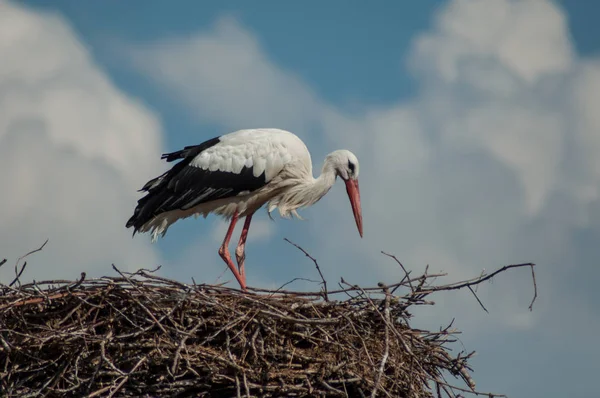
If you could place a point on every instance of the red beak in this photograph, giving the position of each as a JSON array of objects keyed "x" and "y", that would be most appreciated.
[{"x": 354, "y": 195}]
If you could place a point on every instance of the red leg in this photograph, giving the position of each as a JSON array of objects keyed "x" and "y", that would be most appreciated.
[
  {"x": 224, "y": 252},
  {"x": 240, "y": 251}
]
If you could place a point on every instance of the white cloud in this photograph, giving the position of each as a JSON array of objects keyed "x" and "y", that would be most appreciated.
[
  {"x": 227, "y": 78},
  {"x": 73, "y": 151},
  {"x": 499, "y": 60},
  {"x": 580, "y": 100},
  {"x": 492, "y": 162},
  {"x": 529, "y": 38}
]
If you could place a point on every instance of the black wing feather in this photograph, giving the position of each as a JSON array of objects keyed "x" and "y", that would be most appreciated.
[{"x": 185, "y": 186}]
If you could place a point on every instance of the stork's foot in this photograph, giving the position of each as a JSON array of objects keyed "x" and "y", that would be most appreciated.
[{"x": 224, "y": 253}]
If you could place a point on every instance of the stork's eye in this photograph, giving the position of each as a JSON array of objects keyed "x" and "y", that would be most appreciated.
[{"x": 351, "y": 166}]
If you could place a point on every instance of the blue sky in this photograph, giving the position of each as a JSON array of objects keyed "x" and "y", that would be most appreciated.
[
  {"x": 338, "y": 54},
  {"x": 475, "y": 124}
]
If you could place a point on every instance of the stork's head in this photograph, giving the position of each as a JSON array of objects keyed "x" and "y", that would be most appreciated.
[{"x": 346, "y": 167}]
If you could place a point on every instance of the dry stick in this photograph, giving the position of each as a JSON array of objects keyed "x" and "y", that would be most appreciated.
[
  {"x": 459, "y": 367},
  {"x": 330, "y": 388},
  {"x": 2, "y": 262},
  {"x": 246, "y": 386},
  {"x": 438, "y": 391},
  {"x": 351, "y": 288},
  {"x": 476, "y": 281},
  {"x": 316, "y": 265},
  {"x": 279, "y": 289},
  {"x": 481, "y": 276},
  {"x": 477, "y": 298},
  {"x": 147, "y": 271},
  {"x": 238, "y": 390},
  {"x": 38, "y": 300},
  {"x": 406, "y": 274},
  {"x": 479, "y": 280},
  {"x": 387, "y": 341},
  {"x": 182, "y": 345},
  {"x": 137, "y": 365},
  {"x": 156, "y": 322},
  {"x": 57, "y": 282},
  {"x": 100, "y": 391},
  {"x": 19, "y": 273},
  {"x": 489, "y": 394},
  {"x": 78, "y": 283},
  {"x": 103, "y": 354},
  {"x": 145, "y": 274},
  {"x": 534, "y": 288}
]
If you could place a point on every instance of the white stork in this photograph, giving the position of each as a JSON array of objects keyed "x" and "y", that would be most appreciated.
[{"x": 233, "y": 176}]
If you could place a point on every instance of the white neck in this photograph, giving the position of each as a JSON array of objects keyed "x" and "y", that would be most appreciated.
[
  {"x": 307, "y": 193},
  {"x": 318, "y": 187}
]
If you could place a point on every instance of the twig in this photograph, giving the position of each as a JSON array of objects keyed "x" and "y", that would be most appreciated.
[
  {"x": 386, "y": 353},
  {"x": 406, "y": 273},
  {"x": 316, "y": 265},
  {"x": 19, "y": 273},
  {"x": 118, "y": 387},
  {"x": 156, "y": 322},
  {"x": 534, "y": 288},
  {"x": 246, "y": 387},
  {"x": 238, "y": 389},
  {"x": 477, "y": 298},
  {"x": 479, "y": 280},
  {"x": 280, "y": 288},
  {"x": 181, "y": 345},
  {"x": 489, "y": 394}
]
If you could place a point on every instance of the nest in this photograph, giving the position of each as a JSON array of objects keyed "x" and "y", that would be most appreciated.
[{"x": 140, "y": 334}]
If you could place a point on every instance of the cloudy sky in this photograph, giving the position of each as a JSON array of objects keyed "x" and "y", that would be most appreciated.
[{"x": 476, "y": 124}]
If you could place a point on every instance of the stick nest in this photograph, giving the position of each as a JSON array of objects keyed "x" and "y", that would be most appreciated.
[{"x": 143, "y": 335}]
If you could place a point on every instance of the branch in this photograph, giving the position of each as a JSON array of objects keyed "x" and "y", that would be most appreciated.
[
  {"x": 316, "y": 265},
  {"x": 477, "y": 298},
  {"x": 534, "y": 288},
  {"x": 406, "y": 274},
  {"x": 477, "y": 281},
  {"x": 386, "y": 353},
  {"x": 19, "y": 273}
]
